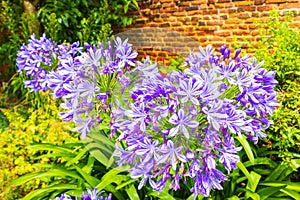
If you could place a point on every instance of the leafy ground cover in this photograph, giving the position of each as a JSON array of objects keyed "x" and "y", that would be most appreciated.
[{"x": 22, "y": 126}]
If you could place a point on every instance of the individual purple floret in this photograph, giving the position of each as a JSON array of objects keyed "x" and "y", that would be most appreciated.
[{"x": 181, "y": 127}]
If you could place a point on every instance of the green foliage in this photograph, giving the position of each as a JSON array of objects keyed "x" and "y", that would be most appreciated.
[
  {"x": 77, "y": 166},
  {"x": 16, "y": 25},
  {"x": 280, "y": 50},
  {"x": 176, "y": 64},
  {"x": 26, "y": 126},
  {"x": 259, "y": 177},
  {"x": 64, "y": 21}
]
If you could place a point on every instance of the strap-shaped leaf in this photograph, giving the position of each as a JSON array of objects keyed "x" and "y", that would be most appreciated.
[
  {"x": 132, "y": 193},
  {"x": 47, "y": 190},
  {"x": 242, "y": 139}
]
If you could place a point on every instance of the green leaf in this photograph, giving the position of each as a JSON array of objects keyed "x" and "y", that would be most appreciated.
[
  {"x": 265, "y": 193},
  {"x": 261, "y": 161},
  {"x": 37, "y": 192},
  {"x": 111, "y": 177},
  {"x": 89, "y": 179},
  {"x": 95, "y": 151},
  {"x": 243, "y": 169},
  {"x": 51, "y": 173},
  {"x": 200, "y": 197},
  {"x": 253, "y": 182},
  {"x": 291, "y": 193},
  {"x": 162, "y": 195},
  {"x": 276, "y": 173},
  {"x": 234, "y": 197},
  {"x": 242, "y": 139},
  {"x": 132, "y": 193},
  {"x": 289, "y": 185},
  {"x": 78, "y": 157},
  {"x": 124, "y": 184},
  {"x": 253, "y": 195},
  {"x": 49, "y": 147}
]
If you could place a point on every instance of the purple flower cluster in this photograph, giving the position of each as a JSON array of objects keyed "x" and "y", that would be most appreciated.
[
  {"x": 176, "y": 128},
  {"x": 91, "y": 195},
  {"x": 180, "y": 127},
  {"x": 82, "y": 78}
]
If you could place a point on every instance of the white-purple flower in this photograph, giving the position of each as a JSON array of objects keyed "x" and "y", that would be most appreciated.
[{"x": 182, "y": 121}]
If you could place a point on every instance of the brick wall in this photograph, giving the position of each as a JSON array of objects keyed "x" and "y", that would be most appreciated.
[{"x": 200, "y": 22}]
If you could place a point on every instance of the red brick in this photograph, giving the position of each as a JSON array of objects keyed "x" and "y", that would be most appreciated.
[
  {"x": 180, "y": 14},
  {"x": 219, "y": 39},
  {"x": 224, "y": 17},
  {"x": 176, "y": 24},
  {"x": 190, "y": 23},
  {"x": 209, "y": 12},
  {"x": 215, "y": 17},
  {"x": 240, "y": 32},
  {"x": 254, "y": 32},
  {"x": 198, "y": 2},
  {"x": 252, "y": 26},
  {"x": 233, "y": 21},
  {"x": 184, "y": 3},
  {"x": 264, "y": 8},
  {"x": 243, "y": 3},
  {"x": 276, "y": 1},
  {"x": 165, "y": 15},
  {"x": 250, "y": 8},
  {"x": 229, "y": 39},
  {"x": 255, "y": 14},
  {"x": 168, "y": 5},
  {"x": 290, "y": 5},
  {"x": 196, "y": 18},
  {"x": 168, "y": 10},
  {"x": 222, "y": 33},
  {"x": 229, "y": 27},
  {"x": 243, "y": 26},
  {"x": 232, "y": 10},
  {"x": 223, "y": 11},
  {"x": 223, "y": 1},
  {"x": 194, "y": 12},
  {"x": 259, "y": 2},
  {"x": 229, "y": 5},
  {"x": 207, "y": 28},
  {"x": 215, "y": 22},
  {"x": 244, "y": 15}
]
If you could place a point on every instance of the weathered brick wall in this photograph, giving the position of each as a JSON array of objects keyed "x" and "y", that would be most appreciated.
[{"x": 215, "y": 22}]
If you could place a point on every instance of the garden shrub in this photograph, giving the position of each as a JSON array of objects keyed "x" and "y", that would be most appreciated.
[
  {"x": 26, "y": 126},
  {"x": 280, "y": 50}
]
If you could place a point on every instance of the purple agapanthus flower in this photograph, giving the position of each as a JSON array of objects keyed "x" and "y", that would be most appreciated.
[{"x": 216, "y": 97}]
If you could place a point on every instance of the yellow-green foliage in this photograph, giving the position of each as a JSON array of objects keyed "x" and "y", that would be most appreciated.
[
  {"x": 26, "y": 127},
  {"x": 280, "y": 50}
]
